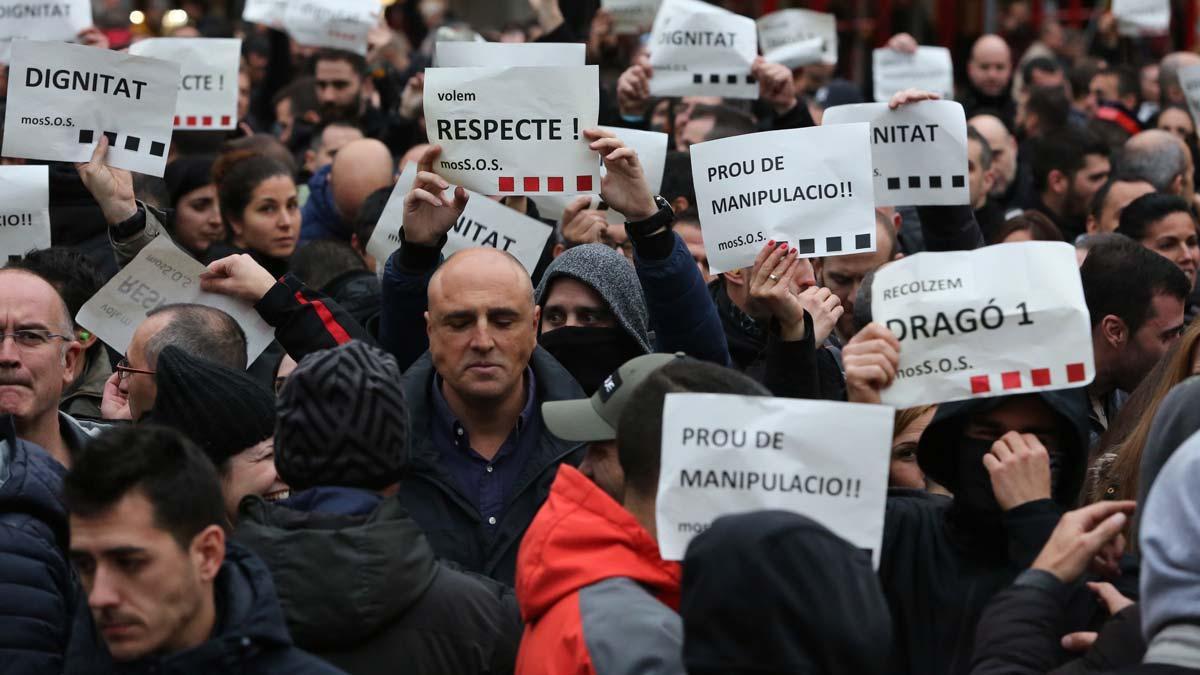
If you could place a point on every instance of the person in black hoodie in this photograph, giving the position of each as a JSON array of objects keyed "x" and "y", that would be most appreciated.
[
  {"x": 773, "y": 592},
  {"x": 167, "y": 593},
  {"x": 400, "y": 606},
  {"x": 1013, "y": 464}
]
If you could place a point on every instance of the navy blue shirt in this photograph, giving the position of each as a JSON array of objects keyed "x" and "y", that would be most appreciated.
[{"x": 486, "y": 484}]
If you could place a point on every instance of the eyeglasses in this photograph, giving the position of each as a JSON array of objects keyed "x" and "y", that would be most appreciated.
[
  {"x": 32, "y": 338},
  {"x": 124, "y": 371}
]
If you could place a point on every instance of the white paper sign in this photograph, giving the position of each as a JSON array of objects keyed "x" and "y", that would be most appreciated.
[
  {"x": 505, "y": 54},
  {"x": 811, "y": 188},
  {"x": 385, "y": 238},
  {"x": 929, "y": 68},
  {"x": 24, "y": 209},
  {"x": 798, "y": 37},
  {"x": 339, "y": 24},
  {"x": 265, "y": 12},
  {"x": 62, "y": 98},
  {"x": 56, "y": 21},
  {"x": 1004, "y": 319},
  {"x": 919, "y": 151},
  {"x": 514, "y": 130},
  {"x": 486, "y": 222},
  {"x": 208, "y": 81},
  {"x": 698, "y": 49},
  {"x": 631, "y": 17},
  {"x": 1189, "y": 79},
  {"x": 1142, "y": 17},
  {"x": 162, "y": 274},
  {"x": 725, "y": 454}
]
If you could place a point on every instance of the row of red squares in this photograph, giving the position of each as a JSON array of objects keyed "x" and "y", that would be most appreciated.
[
  {"x": 553, "y": 184},
  {"x": 1038, "y": 377},
  {"x": 201, "y": 120}
]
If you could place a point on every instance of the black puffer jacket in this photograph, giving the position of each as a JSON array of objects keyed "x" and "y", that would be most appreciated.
[
  {"x": 367, "y": 595},
  {"x": 944, "y": 560},
  {"x": 37, "y": 588}
]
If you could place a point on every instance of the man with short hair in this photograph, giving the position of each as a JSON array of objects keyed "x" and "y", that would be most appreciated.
[
  {"x": 980, "y": 177},
  {"x": 1010, "y": 175},
  {"x": 989, "y": 70},
  {"x": 1043, "y": 71},
  {"x": 340, "y": 78},
  {"x": 1115, "y": 85},
  {"x": 844, "y": 274},
  {"x": 1109, "y": 201},
  {"x": 1068, "y": 168},
  {"x": 1136, "y": 299},
  {"x": 167, "y": 592},
  {"x": 326, "y": 142},
  {"x": 1159, "y": 158},
  {"x": 594, "y": 591}
]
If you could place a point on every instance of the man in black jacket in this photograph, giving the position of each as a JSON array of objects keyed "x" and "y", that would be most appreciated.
[
  {"x": 421, "y": 613},
  {"x": 165, "y": 591}
]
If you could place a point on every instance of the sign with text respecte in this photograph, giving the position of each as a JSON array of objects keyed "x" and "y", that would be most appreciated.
[
  {"x": 631, "y": 17},
  {"x": 484, "y": 222},
  {"x": 811, "y": 188},
  {"x": 505, "y": 54},
  {"x": 999, "y": 320},
  {"x": 57, "y": 21},
  {"x": 62, "y": 98},
  {"x": 1142, "y": 17},
  {"x": 514, "y": 130},
  {"x": 698, "y": 49},
  {"x": 162, "y": 274},
  {"x": 338, "y": 24},
  {"x": 724, "y": 454},
  {"x": 798, "y": 37},
  {"x": 929, "y": 68},
  {"x": 1189, "y": 79},
  {"x": 24, "y": 209},
  {"x": 919, "y": 151},
  {"x": 208, "y": 81}
]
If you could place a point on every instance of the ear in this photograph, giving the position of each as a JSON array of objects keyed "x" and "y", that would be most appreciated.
[
  {"x": 734, "y": 277},
  {"x": 1092, "y": 224},
  {"x": 74, "y": 352},
  {"x": 989, "y": 180},
  {"x": 537, "y": 318},
  {"x": 208, "y": 552},
  {"x": 428, "y": 324},
  {"x": 1176, "y": 187},
  {"x": 309, "y": 158},
  {"x": 1114, "y": 331},
  {"x": 558, "y": 250},
  {"x": 680, "y": 204},
  {"x": 356, "y": 244},
  {"x": 899, "y": 255},
  {"x": 1057, "y": 181}
]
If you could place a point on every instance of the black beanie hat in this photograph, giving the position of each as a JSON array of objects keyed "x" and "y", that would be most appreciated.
[
  {"x": 222, "y": 409},
  {"x": 342, "y": 420},
  {"x": 186, "y": 174}
]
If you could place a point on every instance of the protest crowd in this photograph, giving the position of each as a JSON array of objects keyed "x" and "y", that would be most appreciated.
[{"x": 615, "y": 336}]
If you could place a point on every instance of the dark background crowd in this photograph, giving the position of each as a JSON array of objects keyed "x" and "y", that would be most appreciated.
[{"x": 446, "y": 464}]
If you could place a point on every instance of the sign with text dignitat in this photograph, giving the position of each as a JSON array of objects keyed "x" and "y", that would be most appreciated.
[
  {"x": 63, "y": 98},
  {"x": 698, "y": 49},
  {"x": 999, "y": 320},
  {"x": 725, "y": 454},
  {"x": 811, "y": 188},
  {"x": 61, "y": 21},
  {"x": 514, "y": 130}
]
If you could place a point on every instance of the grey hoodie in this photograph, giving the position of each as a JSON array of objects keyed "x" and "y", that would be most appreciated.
[
  {"x": 1170, "y": 544},
  {"x": 1178, "y": 417},
  {"x": 609, "y": 274}
]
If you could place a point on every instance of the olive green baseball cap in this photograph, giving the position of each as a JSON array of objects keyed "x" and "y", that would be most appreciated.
[{"x": 595, "y": 418}]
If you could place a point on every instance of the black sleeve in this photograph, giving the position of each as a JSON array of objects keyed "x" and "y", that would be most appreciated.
[
  {"x": 1029, "y": 527},
  {"x": 1020, "y": 630},
  {"x": 796, "y": 118},
  {"x": 792, "y": 366},
  {"x": 950, "y": 228},
  {"x": 36, "y": 621},
  {"x": 305, "y": 320},
  {"x": 562, "y": 33}
]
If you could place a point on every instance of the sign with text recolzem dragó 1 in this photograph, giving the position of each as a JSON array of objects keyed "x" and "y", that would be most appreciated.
[
  {"x": 811, "y": 188},
  {"x": 999, "y": 320},
  {"x": 62, "y": 98},
  {"x": 514, "y": 130},
  {"x": 724, "y": 454}
]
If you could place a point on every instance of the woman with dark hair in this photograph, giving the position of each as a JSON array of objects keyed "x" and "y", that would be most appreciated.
[
  {"x": 1029, "y": 226},
  {"x": 197, "y": 224}
]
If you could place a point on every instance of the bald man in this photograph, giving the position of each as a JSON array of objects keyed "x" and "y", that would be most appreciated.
[
  {"x": 1161, "y": 159},
  {"x": 337, "y": 191},
  {"x": 989, "y": 73},
  {"x": 1011, "y": 186}
]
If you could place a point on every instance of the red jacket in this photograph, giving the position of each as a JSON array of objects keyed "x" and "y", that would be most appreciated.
[{"x": 594, "y": 593}]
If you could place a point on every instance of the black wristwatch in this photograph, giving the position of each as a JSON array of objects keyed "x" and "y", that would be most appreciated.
[{"x": 660, "y": 220}]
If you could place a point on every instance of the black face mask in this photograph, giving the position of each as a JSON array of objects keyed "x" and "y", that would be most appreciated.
[
  {"x": 974, "y": 489},
  {"x": 590, "y": 354}
]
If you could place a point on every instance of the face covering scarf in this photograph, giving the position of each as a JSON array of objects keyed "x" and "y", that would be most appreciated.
[{"x": 590, "y": 354}]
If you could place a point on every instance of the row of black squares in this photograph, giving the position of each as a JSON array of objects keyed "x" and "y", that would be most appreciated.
[
  {"x": 132, "y": 143},
  {"x": 718, "y": 78},
  {"x": 935, "y": 182},
  {"x": 833, "y": 244}
]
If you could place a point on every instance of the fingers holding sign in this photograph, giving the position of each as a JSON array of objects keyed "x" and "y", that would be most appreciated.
[
  {"x": 237, "y": 276},
  {"x": 428, "y": 212},
  {"x": 624, "y": 186},
  {"x": 871, "y": 359},
  {"x": 826, "y": 310},
  {"x": 903, "y": 43},
  {"x": 776, "y": 85},
  {"x": 912, "y": 96},
  {"x": 581, "y": 225},
  {"x": 111, "y": 187},
  {"x": 633, "y": 88}
]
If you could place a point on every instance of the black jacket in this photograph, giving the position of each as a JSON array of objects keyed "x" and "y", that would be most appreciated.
[
  {"x": 249, "y": 636},
  {"x": 359, "y": 294},
  {"x": 452, "y": 523},
  {"x": 943, "y": 560},
  {"x": 38, "y": 590},
  {"x": 390, "y": 607}
]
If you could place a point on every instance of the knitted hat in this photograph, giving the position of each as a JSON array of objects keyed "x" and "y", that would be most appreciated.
[
  {"x": 222, "y": 409},
  {"x": 186, "y": 174},
  {"x": 342, "y": 420}
]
